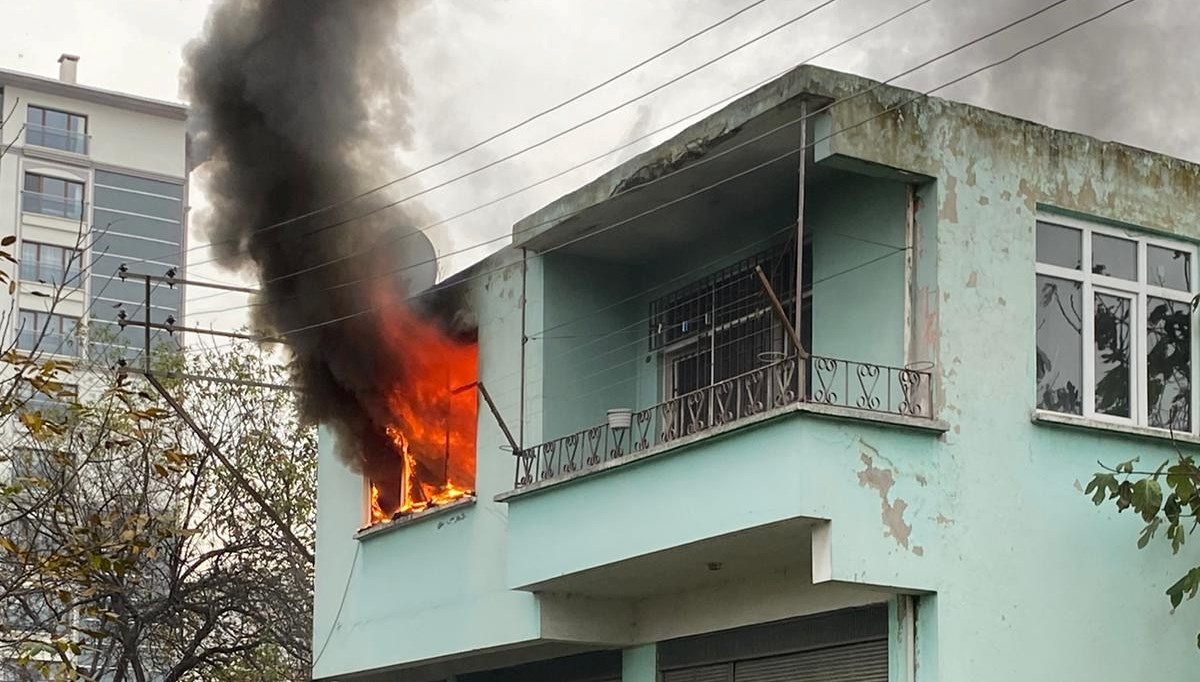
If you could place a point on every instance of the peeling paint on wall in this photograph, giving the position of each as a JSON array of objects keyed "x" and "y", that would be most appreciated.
[
  {"x": 882, "y": 480},
  {"x": 950, "y": 202}
]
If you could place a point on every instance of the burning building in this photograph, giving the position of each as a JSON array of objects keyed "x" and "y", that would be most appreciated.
[{"x": 296, "y": 109}]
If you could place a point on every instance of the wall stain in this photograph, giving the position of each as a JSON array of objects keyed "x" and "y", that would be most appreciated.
[
  {"x": 943, "y": 520},
  {"x": 950, "y": 203},
  {"x": 972, "y": 280},
  {"x": 882, "y": 480}
]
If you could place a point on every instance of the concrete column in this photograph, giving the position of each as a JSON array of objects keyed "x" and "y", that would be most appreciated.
[
  {"x": 640, "y": 664},
  {"x": 912, "y": 634}
]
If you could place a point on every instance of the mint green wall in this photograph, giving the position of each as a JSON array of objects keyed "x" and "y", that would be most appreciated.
[
  {"x": 857, "y": 228},
  {"x": 588, "y": 338},
  {"x": 1031, "y": 580},
  {"x": 436, "y": 587},
  {"x": 640, "y": 664}
]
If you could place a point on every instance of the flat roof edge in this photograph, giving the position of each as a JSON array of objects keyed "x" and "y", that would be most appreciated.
[
  {"x": 112, "y": 98},
  {"x": 805, "y": 80}
]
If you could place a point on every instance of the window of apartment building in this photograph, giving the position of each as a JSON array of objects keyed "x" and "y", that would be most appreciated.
[
  {"x": 1114, "y": 328},
  {"x": 52, "y": 196},
  {"x": 57, "y": 405},
  {"x": 722, "y": 327},
  {"x": 47, "y": 333},
  {"x": 56, "y": 129},
  {"x": 49, "y": 263}
]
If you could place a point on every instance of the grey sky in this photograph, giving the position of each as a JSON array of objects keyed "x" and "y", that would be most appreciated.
[{"x": 479, "y": 65}]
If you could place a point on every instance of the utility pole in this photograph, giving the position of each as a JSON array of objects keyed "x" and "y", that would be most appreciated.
[{"x": 147, "y": 371}]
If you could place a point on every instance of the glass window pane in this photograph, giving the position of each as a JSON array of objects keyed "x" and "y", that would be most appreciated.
[
  {"x": 1057, "y": 245},
  {"x": 70, "y": 265},
  {"x": 1168, "y": 268},
  {"x": 56, "y": 120},
  {"x": 1060, "y": 345},
  {"x": 1114, "y": 257},
  {"x": 33, "y": 183},
  {"x": 33, "y": 116},
  {"x": 1169, "y": 364},
  {"x": 120, "y": 200},
  {"x": 120, "y": 180},
  {"x": 28, "y": 330},
  {"x": 1112, "y": 354}
]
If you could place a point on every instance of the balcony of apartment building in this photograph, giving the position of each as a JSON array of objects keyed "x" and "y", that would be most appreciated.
[
  {"x": 52, "y": 196},
  {"x": 51, "y": 129},
  {"x": 713, "y": 365}
]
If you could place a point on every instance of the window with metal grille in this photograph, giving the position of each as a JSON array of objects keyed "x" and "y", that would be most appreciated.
[{"x": 723, "y": 326}]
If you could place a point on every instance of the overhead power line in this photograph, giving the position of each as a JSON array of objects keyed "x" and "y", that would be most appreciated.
[
  {"x": 526, "y": 121},
  {"x": 709, "y": 158},
  {"x": 890, "y": 19},
  {"x": 884, "y": 112},
  {"x": 520, "y": 124}
]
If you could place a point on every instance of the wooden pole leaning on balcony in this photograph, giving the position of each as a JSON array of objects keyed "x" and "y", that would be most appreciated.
[{"x": 781, "y": 313}]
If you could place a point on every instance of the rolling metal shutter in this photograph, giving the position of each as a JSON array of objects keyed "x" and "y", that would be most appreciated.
[
  {"x": 722, "y": 672},
  {"x": 860, "y": 662}
]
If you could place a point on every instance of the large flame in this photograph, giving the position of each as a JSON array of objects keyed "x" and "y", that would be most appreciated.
[{"x": 432, "y": 413}]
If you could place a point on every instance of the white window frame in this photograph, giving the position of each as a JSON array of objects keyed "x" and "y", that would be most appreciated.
[{"x": 1139, "y": 291}]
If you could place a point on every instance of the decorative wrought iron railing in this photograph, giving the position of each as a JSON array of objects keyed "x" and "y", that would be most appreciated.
[{"x": 901, "y": 391}]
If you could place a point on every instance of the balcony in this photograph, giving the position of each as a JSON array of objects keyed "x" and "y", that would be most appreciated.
[
  {"x": 57, "y": 206},
  {"x": 71, "y": 141},
  {"x": 772, "y": 390}
]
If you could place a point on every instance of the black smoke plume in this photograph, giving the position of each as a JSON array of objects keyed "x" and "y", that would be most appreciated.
[{"x": 297, "y": 105}]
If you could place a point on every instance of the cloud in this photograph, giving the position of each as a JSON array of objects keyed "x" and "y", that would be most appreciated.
[{"x": 477, "y": 67}]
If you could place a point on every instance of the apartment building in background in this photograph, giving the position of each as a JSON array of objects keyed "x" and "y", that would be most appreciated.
[
  {"x": 991, "y": 307},
  {"x": 91, "y": 179}
]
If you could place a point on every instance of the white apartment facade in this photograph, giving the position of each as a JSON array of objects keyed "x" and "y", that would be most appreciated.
[{"x": 90, "y": 180}]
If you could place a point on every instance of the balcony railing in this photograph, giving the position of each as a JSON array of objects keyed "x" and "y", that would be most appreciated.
[
  {"x": 56, "y": 138},
  {"x": 904, "y": 392},
  {"x": 50, "y": 342},
  {"x": 51, "y": 205}
]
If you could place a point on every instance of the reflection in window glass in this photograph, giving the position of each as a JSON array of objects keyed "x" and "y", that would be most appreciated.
[
  {"x": 1114, "y": 257},
  {"x": 1057, "y": 245},
  {"x": 1168, "y": 268},
  {"x": 1168, "y": 364},
  {"x": 1112, "y": 354},
  {"x": 1060, "y": 345}
]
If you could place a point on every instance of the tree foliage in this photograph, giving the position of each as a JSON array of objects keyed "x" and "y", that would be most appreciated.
[
  {"x": 1166, "y": 498},
  {"x": 1168, "y": 501},
  {"x": 126, "y": 550}
]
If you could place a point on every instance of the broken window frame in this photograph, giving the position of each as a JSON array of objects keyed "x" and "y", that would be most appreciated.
[{"x": 1138, "y": 291}]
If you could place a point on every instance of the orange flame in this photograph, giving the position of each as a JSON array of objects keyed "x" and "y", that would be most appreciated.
[{"x": 433, "y": 419}]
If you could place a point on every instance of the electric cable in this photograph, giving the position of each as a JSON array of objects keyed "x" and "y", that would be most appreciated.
[
  {"x": 592, "y": 159},
  {"x": 699, "y": 162}
]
